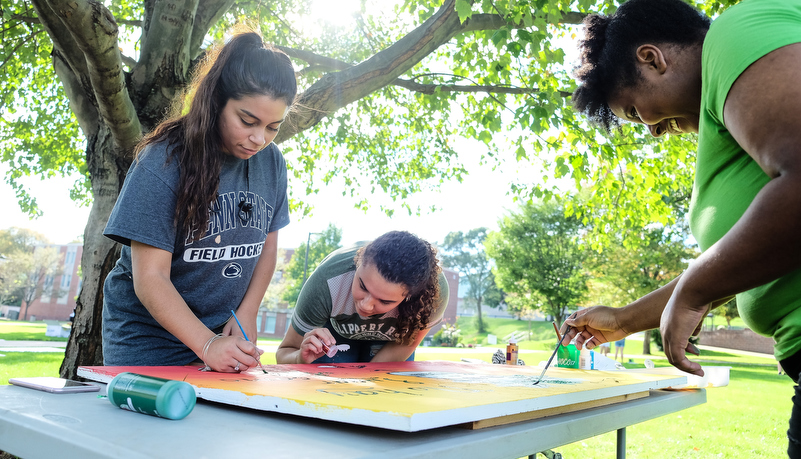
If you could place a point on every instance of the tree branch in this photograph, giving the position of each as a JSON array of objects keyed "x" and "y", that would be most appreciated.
[
  {"x": 19, "y": 44},
  {"x": 493, "y": 21},
  {"x": 352, "y": 82},
  {"x": 432, "y": 88},
  {"x": 336, "y": 90},
  {"x": 208, "y": 13},
  {"x": 324, "y": 62},
  {"x": 63, "y": 41},
  {"x": 129, "y": 61},
  {"x": 93, "y": 28},
  {"x": 80, "y": 104},
  {"x": 165, "y": 59}
]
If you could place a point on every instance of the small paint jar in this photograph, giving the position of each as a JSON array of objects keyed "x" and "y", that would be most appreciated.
[
  {"x": 587, "y": 359},
  {"x": 150, "y": 395},
  {"x": 511, "y": 353}
]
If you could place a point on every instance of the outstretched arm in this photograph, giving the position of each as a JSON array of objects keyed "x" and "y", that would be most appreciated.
[{"x": 601, "y": 324}]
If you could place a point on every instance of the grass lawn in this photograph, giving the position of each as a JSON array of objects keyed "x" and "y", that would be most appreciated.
[
  {"x": 25, "y": 331},
  {"x": 747, "y": 418}
]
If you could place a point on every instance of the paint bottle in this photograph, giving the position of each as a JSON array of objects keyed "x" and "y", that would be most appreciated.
[
  {"x": 511, "y": 352},
  {"x": 150, "y": 395},
  {"x": 567, "y": 356},
  {"x": 587, "y": 359}
]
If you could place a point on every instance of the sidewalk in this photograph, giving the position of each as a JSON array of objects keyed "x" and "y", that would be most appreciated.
[{"x": 32, "y": 346}]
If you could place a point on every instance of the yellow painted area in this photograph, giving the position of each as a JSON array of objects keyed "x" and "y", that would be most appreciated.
[{"x": 403, "y": 387}]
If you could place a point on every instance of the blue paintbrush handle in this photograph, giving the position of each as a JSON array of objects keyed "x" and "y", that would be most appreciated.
[
  {"x": 246, "y": 337},
  {"x": 240, "y": 325}
]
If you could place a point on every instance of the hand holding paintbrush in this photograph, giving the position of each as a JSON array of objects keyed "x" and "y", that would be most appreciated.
[
  {"x": 246, "y": 339},
  {"x": 558, "y": 345}
]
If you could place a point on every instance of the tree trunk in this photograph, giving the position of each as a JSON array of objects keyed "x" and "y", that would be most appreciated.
[
  {"x": 23, "y": 310},
  {"x": 646, "y": 343},
  {"x": 85, "y": 344},
  {"x": 480, "y": 320}
]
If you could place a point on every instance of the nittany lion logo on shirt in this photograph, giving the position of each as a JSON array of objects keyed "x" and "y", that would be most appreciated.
[{"x": 232, "y": 270}]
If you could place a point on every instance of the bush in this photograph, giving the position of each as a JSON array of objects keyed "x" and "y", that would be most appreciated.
[{"x": 448, "y": 335}]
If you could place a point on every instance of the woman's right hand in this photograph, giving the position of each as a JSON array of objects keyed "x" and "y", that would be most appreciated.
[
  {"x": 593, "y": 326},
  {"x": 231, "y": 354},
  {"x": 311, "y": 348}
]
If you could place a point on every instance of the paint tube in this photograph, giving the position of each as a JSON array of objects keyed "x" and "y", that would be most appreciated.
[
  {"x": 591, "y": 360},
  {"x": 150, "y": 395}
]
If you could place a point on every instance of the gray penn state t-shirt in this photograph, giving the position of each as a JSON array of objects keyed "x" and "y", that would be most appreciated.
[{"x": 211, "y": 274}]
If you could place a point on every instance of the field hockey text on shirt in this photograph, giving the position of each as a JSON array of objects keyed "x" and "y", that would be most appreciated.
[{"x": 230, "y": 252}]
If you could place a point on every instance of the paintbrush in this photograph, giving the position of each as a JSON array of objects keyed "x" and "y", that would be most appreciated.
[
  {"x": 246, "y": 337},
  {"x": 557, "y": 331},
  {"x": 558, "y": 345}
]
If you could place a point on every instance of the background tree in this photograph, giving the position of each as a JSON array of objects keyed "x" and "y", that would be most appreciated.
[
  {"x": 623, "y": 273},
  {"x": 728, "y": 311},
  {"x": 274, "y": 296},
  {"x": 539, "y": 260},
  {"x": 465, "y": 253},
  {"x": 20, "y": 240},
  {"x": 16, "y": 247},
  {"x": 320, "y": 246},
  {"x": 8, "y": 284},
  {"x": 384, "y": 97},
  {"x": 36, "y": 271}
]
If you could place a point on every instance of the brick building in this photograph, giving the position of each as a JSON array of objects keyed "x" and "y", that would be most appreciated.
[
  {"x": 270, "y": 323},
  {"x": 59, "y": 292}
]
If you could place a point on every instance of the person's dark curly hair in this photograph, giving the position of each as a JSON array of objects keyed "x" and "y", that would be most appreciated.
[
  {"x": 403, "y": 258},
  {"x": 607, "y": 61}
]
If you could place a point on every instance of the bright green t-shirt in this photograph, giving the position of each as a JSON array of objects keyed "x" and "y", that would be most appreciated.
[{"x": 727, "y": 179}]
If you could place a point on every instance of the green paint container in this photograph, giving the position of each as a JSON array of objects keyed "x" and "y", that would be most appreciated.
[
  {"x": 160, "y": 397},
  {"x": 568, "y": 356}
]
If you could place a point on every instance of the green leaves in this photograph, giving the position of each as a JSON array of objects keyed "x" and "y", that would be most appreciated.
[
  {"x": 464, "y": 8},
  {"x": 504, "y": 79},
  {"x": 539, "y": 259},
  {"x": 300, "y": 267}
]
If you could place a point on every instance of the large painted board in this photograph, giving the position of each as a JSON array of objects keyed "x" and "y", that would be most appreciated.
[{"x": 405, "y": 396}]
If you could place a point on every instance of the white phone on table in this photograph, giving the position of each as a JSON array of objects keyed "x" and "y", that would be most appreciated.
[{"x": 54, "y": 385}]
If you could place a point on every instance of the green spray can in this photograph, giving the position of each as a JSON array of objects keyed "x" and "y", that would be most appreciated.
[{"x": 160, "y": 397}]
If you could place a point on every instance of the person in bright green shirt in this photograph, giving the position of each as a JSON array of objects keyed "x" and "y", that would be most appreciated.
[{"x": 733, "y": 81}]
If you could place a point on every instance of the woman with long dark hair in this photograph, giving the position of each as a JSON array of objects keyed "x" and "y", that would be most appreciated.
[{"x": 198, "y": 217}]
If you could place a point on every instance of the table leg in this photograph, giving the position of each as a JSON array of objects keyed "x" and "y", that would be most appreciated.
[{"x": 621, "y": 443}]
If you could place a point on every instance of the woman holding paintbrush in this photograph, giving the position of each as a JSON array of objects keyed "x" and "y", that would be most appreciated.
[
  {"x": 733, "y": 81},
  {"x": 369, "y": 303},
  {"x": 198, "y": 217}
]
